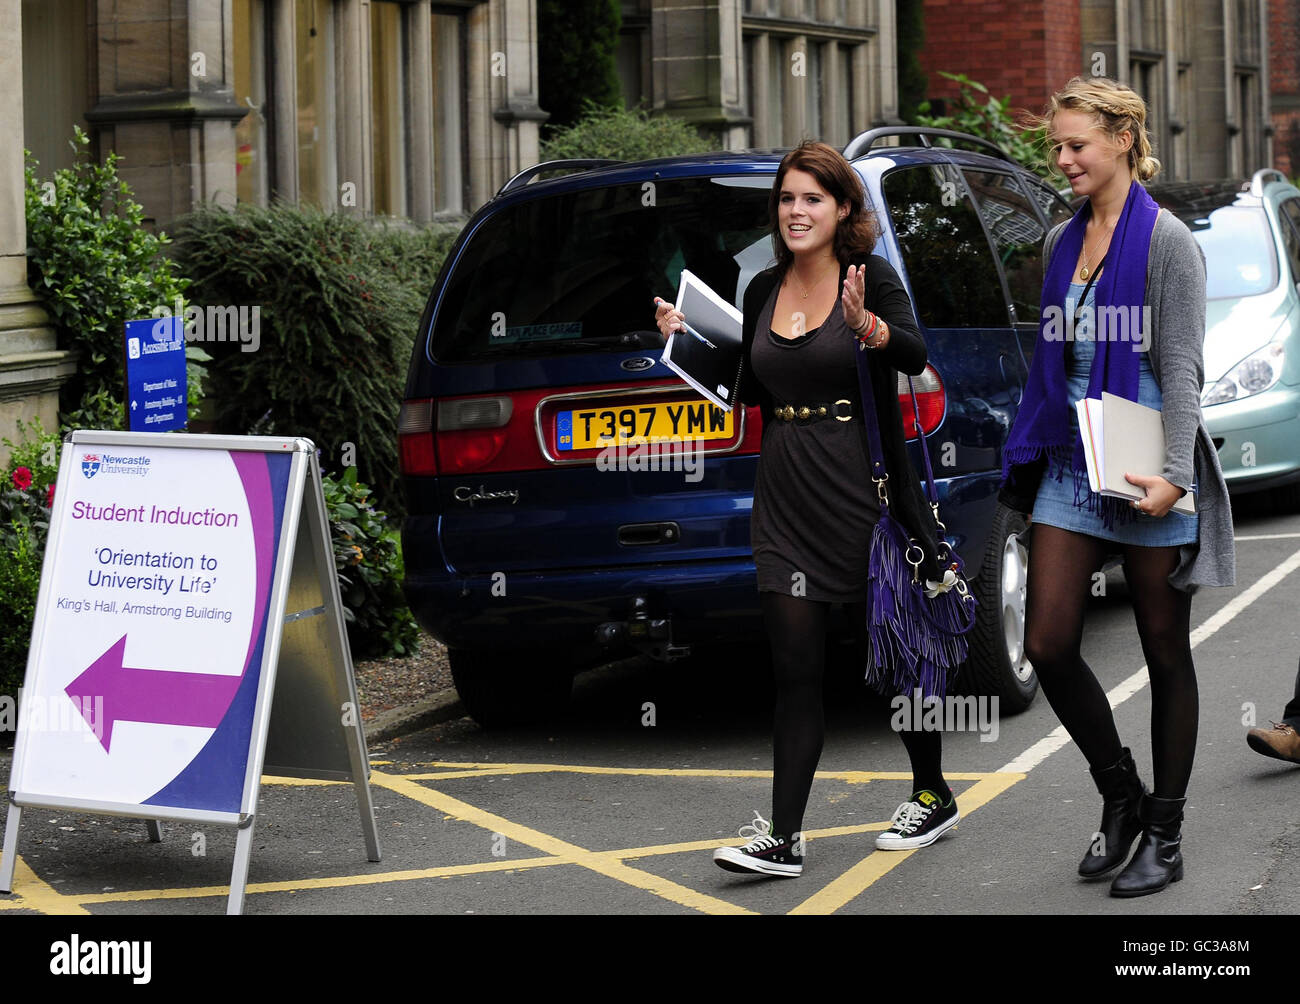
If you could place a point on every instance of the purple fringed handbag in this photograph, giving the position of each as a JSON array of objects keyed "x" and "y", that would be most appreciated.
[{"x": 916, "y": 628}]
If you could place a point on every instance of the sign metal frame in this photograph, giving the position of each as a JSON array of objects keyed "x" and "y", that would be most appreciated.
[{"x": 317, "y": 664}]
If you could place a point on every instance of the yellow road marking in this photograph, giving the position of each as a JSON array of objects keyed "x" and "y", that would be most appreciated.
[
  {"x": 38, "y": 895},
  {"x": 708, "y": 845},
  {"x": 600, "y": 863},
  {"x": 487, "y": 769},
  {"x": 303, "y": 781},
  {"x": 34, "y": 893},
  {"x": 333, "y": 882},
  {"x": 841, "y": 891}
]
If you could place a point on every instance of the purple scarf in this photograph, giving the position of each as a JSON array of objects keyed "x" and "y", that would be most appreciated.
[{"x": 1042, "y": 428}]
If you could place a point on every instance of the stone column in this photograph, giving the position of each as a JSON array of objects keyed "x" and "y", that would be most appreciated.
[
  {"x": 794, "y": 65},
  {"x": 884, "y": 52},
  {"x": 31, "y": 366},
  {"x": 355, "y": 133},
  {"x": 165, "y": 86},
  {"x": 503, "y": 116},
  {"x": 697, "y": 66},
  {"x": 284, "y": 94},
  {"x": 762, "y": 130},
  {"x": 419, "y": 57}
]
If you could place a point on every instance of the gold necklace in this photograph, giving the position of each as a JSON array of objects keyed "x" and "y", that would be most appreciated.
[
  {"x": 1083, "y": 272},
  {"x": 807, "y": 289}
]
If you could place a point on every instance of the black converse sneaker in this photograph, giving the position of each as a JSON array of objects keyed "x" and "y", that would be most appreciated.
[
  {"x": 765, "y": 854},
  {"x": 918, "y": 823}
]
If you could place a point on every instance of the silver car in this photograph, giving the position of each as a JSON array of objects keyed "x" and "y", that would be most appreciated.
[{"x": 1250, "y": 233}]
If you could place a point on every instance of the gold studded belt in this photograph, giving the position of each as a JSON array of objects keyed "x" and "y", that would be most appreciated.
[{"x": 841, "y": 410}]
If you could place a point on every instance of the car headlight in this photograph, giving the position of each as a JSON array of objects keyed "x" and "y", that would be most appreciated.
[{"x": 1256, "y": 373}]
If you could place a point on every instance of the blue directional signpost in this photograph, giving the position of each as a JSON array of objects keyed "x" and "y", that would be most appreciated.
[{"x": 156, "y": 390}]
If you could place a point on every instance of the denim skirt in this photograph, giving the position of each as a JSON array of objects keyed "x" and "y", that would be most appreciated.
[{"x": 1054, "y": 505}]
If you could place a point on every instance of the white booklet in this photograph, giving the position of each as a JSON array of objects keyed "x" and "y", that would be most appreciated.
[
  {"x": 1121, "y": 436},
  {"x": 709, "y": 354}
]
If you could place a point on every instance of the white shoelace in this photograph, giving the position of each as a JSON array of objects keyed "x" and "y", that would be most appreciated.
[
  {"x": 760, "y": 833},
  {"x": 909, "y": 816}
]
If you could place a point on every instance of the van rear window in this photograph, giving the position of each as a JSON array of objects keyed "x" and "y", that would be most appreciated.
[{"x": 579, "y": 271}]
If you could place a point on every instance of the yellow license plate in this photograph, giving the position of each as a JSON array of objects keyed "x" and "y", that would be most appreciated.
[{"x": 664, "y": 421}]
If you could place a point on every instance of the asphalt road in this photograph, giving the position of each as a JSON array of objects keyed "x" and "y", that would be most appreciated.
[{"x": 602, "y": 812}]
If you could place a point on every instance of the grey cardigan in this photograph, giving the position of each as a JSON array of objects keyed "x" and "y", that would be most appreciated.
[{"x": 1176, "y": 295}]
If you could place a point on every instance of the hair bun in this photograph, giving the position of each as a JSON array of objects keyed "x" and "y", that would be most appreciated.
[{"x": 1148, "y": 168}]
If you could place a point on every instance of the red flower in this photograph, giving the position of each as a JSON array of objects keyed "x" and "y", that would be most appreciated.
[
  {"x": 49, "y": 496},
  {"x": 22, "y": 478}
]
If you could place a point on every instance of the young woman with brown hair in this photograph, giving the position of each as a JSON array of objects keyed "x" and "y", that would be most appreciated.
[{"x": 815, "y": 506}]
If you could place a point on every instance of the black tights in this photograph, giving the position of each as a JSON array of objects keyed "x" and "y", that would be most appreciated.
[
  {"x": 796, "y": 628},
  {"x": 1061, "y": 566}
]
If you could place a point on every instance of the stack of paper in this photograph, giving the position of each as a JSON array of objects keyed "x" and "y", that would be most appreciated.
[
  {"x": 1119, "y": 437},
  {"x": 709, "y": 354}
]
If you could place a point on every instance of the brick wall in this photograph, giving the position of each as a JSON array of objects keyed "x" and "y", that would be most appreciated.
[
  {"x": 1284, "y": 83},
  {"x": 1025, "y": 50}
]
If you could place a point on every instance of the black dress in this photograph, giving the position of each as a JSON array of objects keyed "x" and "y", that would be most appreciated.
[
  {"x": 814, "y": 505},
  {"x": 814, "y": 502}
]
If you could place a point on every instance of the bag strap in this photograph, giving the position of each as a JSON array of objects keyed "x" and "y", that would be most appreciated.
[{"x": 871, "y": 421}]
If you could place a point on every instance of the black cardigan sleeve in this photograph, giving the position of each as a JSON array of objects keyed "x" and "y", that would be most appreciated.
[
  {"x": 751, "y": 391},
  {"x": 886, "y": 297}
]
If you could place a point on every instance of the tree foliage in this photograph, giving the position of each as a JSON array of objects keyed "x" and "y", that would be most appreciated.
[
  {"x": 576, "y": 44},
  {"x": 912, "y": 81},
  {"x": 979, "y": 113}
]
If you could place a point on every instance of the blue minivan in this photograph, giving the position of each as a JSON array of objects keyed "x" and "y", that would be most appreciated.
[{"x": 531, "y": 557}]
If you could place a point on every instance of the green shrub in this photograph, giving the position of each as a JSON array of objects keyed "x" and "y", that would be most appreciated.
[
  {"x": 24, "y": 526},
  {"x": 20, "y": 580},
  {"x": 977, "y": 112},
  {"x": 340, "y": 301},
  {"x": 624, "y": 135},
  {"x": 37, "y": 450},
  {"x": 94, "y": 267},
  {"x": 368, "y": 560}
]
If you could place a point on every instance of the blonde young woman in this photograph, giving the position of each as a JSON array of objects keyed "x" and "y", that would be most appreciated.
[{"x": 1119, "y": 251}]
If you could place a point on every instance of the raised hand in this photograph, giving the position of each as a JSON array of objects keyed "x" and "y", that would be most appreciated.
[{"x": 852, "y": 297}]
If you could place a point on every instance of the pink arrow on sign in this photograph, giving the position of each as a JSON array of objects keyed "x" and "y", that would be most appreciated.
[{"x": 160, "y": 697}]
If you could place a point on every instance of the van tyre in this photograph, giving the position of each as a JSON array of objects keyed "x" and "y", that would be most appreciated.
[
  {"x": 501, "y": 689},
  {"x": 997, "y": 665}
]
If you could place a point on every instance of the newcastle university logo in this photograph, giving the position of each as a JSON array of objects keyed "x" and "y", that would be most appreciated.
[{"x": 90, "y": 465}]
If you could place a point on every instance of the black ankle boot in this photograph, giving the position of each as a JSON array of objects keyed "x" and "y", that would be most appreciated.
[
  {"x": 1159, "y": 857},
  {"x": 1121, "y": 792}
]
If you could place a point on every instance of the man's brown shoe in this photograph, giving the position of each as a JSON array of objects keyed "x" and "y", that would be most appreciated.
[{"x": 1281, "y": 741}]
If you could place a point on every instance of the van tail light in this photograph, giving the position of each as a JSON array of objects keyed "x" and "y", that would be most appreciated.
[
  {"x": 415, "y": 444},
  {"x": 931, "y": 401},
  {"x": 473, "y": 432}
]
